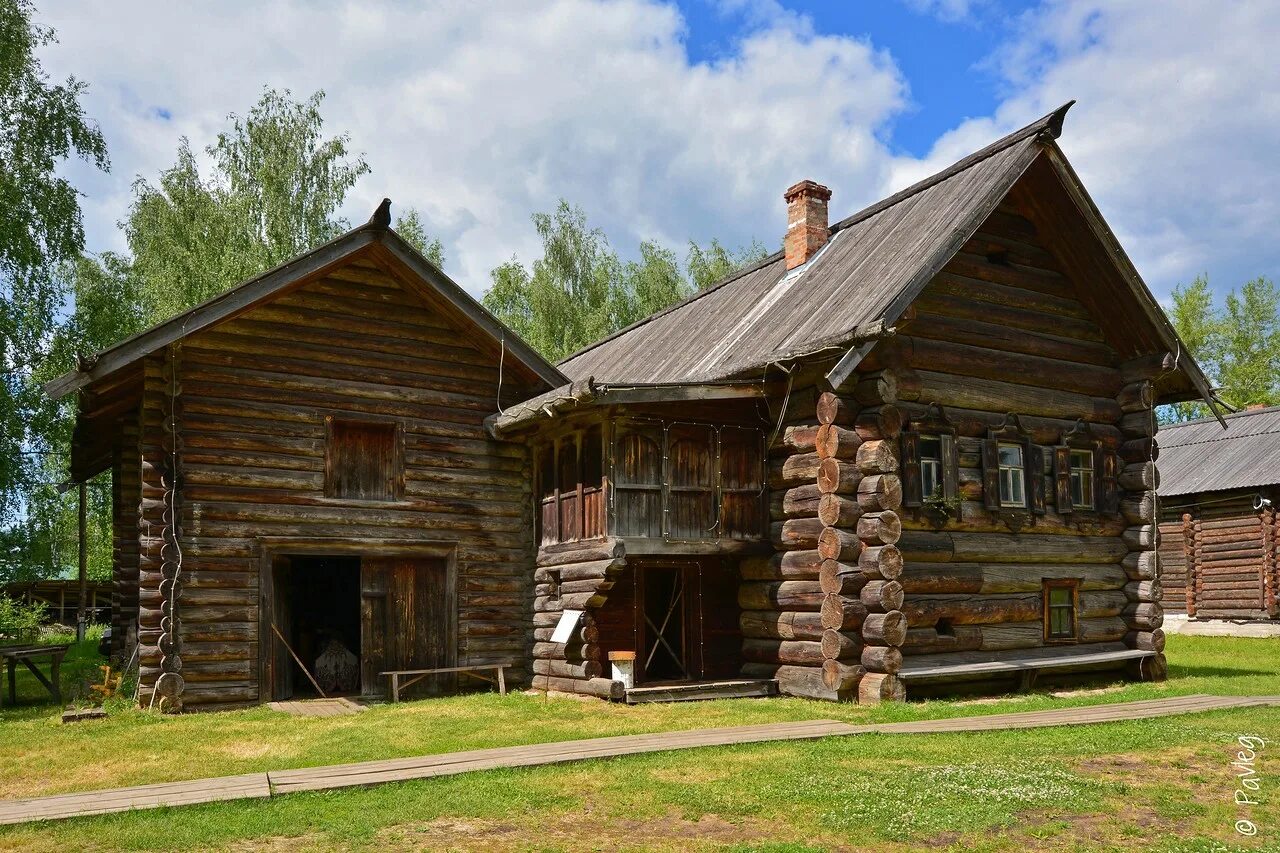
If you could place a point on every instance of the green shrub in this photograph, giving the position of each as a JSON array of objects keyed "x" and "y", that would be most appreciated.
[{"x": 20, "y": 623}]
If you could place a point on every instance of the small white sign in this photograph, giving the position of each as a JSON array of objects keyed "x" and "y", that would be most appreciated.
[{"x": 565, "y": 627}]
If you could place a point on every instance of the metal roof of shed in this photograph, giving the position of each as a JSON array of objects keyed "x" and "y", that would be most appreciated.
[{"x": 1200, "y": 456}]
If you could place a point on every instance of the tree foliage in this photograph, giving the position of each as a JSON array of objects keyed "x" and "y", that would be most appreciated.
[
  {"x": 42, "y": 125},
  {"x": 580, "y": 291},
  {"x": 1237, "y": 344}
]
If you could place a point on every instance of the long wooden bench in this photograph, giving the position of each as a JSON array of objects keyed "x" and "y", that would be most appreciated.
[
  {"x": 1026, "y": 663},
  {"x": 474, "y": 671}
]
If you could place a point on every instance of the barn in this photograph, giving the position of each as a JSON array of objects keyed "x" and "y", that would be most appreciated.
[
  {"x": 912, "y": 452},
  {"x": 300, "y": 466},
  {"x": 1218, "y": 502}
]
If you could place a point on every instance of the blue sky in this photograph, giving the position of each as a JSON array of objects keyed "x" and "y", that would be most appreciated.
[
  {"x": 943, "y": 58},
  {"x": 672, "y": 121}
]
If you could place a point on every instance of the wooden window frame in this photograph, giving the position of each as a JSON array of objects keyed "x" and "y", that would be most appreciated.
[
  {"x": 397, "y": 457},
  {"x": 574, "y": 442},
  {"x": 1047, "y": 587},
  {"x": 934, "y": 424},
  {"x": 762, "y": 477},
  {"x": 1017, "y": 475},
  {"x": 1105, "y": 491},
  {"x": 1011, "y": 432},
  {"x": 660, "y": 430}
]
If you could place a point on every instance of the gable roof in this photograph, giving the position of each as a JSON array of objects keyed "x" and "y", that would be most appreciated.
[
  {"x": 262, "y": 287},
  {"x": 874, "y": 265},
  {"x": 1200, "y": 456}
]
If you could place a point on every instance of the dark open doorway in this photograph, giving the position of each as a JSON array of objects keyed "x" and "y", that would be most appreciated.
[
  {"x": 317, "y": 612},
  {"x": 680, "y": 616}
]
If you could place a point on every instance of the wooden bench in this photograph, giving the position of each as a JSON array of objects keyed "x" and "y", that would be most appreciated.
[
  {"x": 1027, "y": 664},
  {"x": 474, "y": 671},
  {"x": 13, "y": 655}
]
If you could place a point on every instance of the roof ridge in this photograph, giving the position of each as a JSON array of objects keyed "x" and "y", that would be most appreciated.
[{"x": 1050, "y": 123}]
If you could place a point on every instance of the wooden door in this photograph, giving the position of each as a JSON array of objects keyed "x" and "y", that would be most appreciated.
[
  {"x": 718, "y": 631},
  {"x": 406, "y": 621},
  {"x": 279, "y": 617}
]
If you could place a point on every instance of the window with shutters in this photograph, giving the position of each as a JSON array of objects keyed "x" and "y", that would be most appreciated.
[
  {"x": 1061, "y": 605},
  {"x": 1081, "y": 467},
  {"x": 1084, "y": 474},
  {"x": 571, "y": 487},
  {"x": 1013, "y": 469},
  {"x": 1013, "y": 492},
  {"x": 930, "y": 467},
  {"x": 363, "y": 460}
]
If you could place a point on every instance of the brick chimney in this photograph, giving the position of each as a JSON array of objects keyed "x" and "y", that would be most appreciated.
[{"x": 806, "y": 221}]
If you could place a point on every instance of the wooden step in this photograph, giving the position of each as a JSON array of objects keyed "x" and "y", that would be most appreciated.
[{"x": 742, "y": 688}]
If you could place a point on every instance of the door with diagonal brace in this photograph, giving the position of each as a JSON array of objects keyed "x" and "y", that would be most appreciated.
[{"x": 665, "y": 624}]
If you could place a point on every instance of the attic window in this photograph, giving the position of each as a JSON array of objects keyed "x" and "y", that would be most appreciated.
[{"x": 363, "y": 460}]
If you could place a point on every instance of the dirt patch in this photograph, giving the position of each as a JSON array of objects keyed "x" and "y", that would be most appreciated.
[
  {"x": 1094, "y": 691},
  {"x": 246, "y": 749},
  {"x": 580, "y": 831}
]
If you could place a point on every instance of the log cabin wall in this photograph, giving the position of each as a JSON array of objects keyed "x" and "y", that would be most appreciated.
[
  {"x": 255, "y": 398},
  {"x": 126, "y": 483},
  {"x": 808, "y": 608},
  {"x": 1000, "y": 332},
  {"x": 1218, "y": 554}
]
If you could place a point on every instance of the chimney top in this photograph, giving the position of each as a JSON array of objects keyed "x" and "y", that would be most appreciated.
[{"x": 807, "y": 229}]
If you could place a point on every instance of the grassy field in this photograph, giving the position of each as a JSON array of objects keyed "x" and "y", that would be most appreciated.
[{"x": 1159, "y": 784}]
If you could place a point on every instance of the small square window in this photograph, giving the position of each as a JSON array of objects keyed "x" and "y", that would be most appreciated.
[
  {"x": 930, "y": 465},
  {"x": 1060, "y": 600},
  {"x": 1082, "y": 479},
  {"x": 1012, "y": 476},
  {"x": 363, "y": 461}
]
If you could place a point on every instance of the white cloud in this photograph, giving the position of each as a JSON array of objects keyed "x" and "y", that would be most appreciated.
[
  {"x": 951, "y": 11},
  {"x": 479, "y": 119},
  {"x": 1176, "y": 129}
]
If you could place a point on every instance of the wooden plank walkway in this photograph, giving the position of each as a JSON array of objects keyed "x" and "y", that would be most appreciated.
[{"x": 260, "y": 785}]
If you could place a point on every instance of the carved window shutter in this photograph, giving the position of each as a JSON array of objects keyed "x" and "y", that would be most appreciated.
[
  {"x": 1108, "y": 483},
  {"x": 1062, "y": 478},
  {"x": 950, "y": 467},
  {"x": 1035, "y": 478},
  {"x": 912, "y": 488},
  {"x": 991, "y": 473}
]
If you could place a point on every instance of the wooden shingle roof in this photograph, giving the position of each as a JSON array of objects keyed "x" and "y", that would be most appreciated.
[{"x": 874, "y": 264}]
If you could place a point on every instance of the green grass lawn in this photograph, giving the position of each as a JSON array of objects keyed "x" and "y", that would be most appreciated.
[{"x": 1150, "y": 784}]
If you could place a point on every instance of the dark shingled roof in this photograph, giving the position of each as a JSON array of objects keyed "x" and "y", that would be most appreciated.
[
  {"x": 1200, "y": 456},
  {"x": 875, "y": 263}
]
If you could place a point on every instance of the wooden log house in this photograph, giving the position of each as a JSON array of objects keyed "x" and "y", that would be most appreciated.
[
  {"x": 1218, "y": 516},
  {"x": 954, "y": 393},
  {"x": 913, "y": 451},
  {"x": 303, "y": 460}
]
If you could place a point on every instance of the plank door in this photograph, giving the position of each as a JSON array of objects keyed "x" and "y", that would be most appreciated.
[
  {"x": 279, "y": 612},
  {"x": 405, "y": 622},
  {"x": 717, "y": 630}
]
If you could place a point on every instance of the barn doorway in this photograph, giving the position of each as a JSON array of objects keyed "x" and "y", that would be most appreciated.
[
  {"x": 351, "y": 617},
  {"x": 317, "y": 613}
]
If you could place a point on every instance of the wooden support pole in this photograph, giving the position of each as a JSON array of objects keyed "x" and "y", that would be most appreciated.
[{"x": 83, "y": 557}]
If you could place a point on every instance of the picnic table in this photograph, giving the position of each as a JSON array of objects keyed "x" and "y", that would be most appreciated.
[
  {"x": 27, "y": 655},
  {"x": 474, "y": 671}
]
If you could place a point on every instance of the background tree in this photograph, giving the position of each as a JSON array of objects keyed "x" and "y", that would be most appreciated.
[
  {"x": 273, "y": 192},
  {"x": 42, "y": 124},
  {"x": 579, "y": 291},
  {"x": 1236, "y": 345}
]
